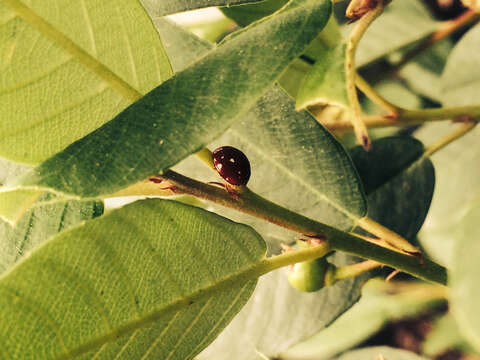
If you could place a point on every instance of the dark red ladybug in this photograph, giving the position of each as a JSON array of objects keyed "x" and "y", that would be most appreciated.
[{"x": 232, "y": 165}]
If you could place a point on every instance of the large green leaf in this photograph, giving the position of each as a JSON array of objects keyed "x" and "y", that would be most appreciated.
[
  {"x": 457, "y": 170},
  {"x": 165, "y": 7},
  {"x": 377, "y": 307},
  {"x": 67, "y": 69},
  {"x": 154, "y": 279},
  {"x": 42, "y": 221},
  {"x": 373, "y": 353},
  {"x": 464, "y": 274},
  {"x": 393, "y": 30},
  {"x": 186, "y": 112}
]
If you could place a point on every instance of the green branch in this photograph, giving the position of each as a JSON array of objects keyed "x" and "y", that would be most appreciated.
[{"x": 255, "y": 205}]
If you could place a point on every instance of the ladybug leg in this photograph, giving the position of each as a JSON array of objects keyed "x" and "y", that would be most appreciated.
[
  {"x": 172, "y": 188},
  {"x": 231, "y": 191}
]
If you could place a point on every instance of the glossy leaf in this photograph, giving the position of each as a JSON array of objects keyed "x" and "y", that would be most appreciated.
[
  {"x": 464, "y": 276},
  {"x": 41, "y": 222},
  {"x": 62, "y": 80},
  {"x": 376, "y": 308},
  {"x": 393, "y": 30},
  {"x": 325, "y": 84},
  {"x": 158, "y": 290},
  {"x": 372, "y": 353},
  {"x": 186, "y": 112}
]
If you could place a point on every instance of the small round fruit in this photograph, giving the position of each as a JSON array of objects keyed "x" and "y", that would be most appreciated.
[
  {"x": 232, "y": 165},
  {"x": 308, "y": 276}
]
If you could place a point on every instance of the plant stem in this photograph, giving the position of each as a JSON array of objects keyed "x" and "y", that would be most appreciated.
[
  {"x": 378, "y": 99},
  {"x": 449, "y": 138},
  {"x": 350, "y": 73},
  {"x": 387, "y": 235},
  {"x": 411, "y": 117},
  {"x": 255, "y": 205},
  {"x": 349, "y": 271}
]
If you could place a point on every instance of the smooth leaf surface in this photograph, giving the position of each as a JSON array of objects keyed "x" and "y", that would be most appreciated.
[
  {"x": 186, "y": 112},
  {"x": 399, "y": 183},
  {"x": 325, "y": 84},
  {"x": 262, "y": 136},
  {"x": 68, "y": 68},
  {"x": 393, "y": 30},
  {"x": 460, "y": 80},
  {"x": 372, "y": 353},
  {"x": 464, "y": 276},
  {"x": 376, "y": 308},
  {"x": 457, "y": 170},
  {"x": 42, "y": 221},
  {"x": 166, "y": 7},
  {"x": 139, "y": 280}
]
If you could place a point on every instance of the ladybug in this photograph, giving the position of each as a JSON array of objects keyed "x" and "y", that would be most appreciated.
[{"x": 232, "y": 165}]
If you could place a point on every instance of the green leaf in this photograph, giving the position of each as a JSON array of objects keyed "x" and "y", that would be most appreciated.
[
  {"x": 43, "y": 220},
  {"x": 399, "y": 182},
  {"x": 325, "y": 84},
  {"x": 372, "y": 353},
  {"x": 246, "y": 14},
  {"x": 464, "y": 274},
  {"x": 92, "y": 59},
  {"x": 457, "y": 174},
  {"x": 165, "y": 7},
  {"x": 393, "y": 30},
  {"x": 457, "y": 170},
  {"x": 276, "y": 326},
  {"x": 460, "y": 80},
  {"x": 186, "y": 112},
  {"x": 376, "y": 308},
  {"x": 158, "y": 290}
]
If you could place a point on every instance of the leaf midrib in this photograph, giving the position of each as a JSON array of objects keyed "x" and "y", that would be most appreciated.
[
  {"x": 249, "y": 273},
  {"x": 48, "y": 30}
]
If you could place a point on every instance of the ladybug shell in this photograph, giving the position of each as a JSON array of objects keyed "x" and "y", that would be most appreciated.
[{"x": 232, "y": 165}]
